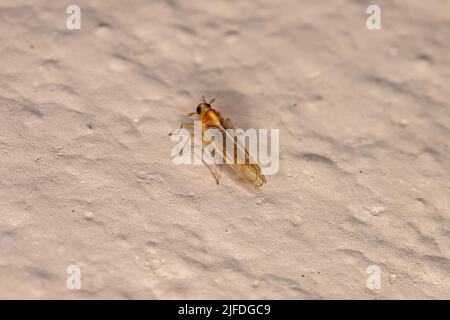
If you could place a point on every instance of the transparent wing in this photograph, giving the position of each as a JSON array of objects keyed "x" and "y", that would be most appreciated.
[{"x": 246, "y": 168}]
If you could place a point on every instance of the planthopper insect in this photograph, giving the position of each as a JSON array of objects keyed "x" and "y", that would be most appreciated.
[{"x": 236, "y": 155}]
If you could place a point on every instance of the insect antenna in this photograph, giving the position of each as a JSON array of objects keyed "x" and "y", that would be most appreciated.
[{"x": 215, "y": 98}]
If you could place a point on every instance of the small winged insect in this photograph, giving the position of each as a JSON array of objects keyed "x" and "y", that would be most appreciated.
[{"x": 236, "y": 155}]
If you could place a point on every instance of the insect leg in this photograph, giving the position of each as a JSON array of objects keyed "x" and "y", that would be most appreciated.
[
  {"x": 184, "y": 125},
  {"x": 215, "y": 98},
  {"x": 214, "y": 173},
  {"x": 211, "y": 167},
  {"x": 206, "y": 142}
]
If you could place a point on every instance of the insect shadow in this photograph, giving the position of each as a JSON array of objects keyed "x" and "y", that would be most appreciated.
[{"x": 241, "y": 108}]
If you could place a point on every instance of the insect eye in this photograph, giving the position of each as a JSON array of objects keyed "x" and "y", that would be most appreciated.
[{"x": 199, "y": 110}]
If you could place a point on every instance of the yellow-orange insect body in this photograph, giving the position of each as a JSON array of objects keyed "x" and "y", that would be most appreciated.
[{"x": 210, "y": 118}]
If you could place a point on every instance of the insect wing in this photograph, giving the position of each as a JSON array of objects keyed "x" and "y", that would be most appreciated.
[{"x": 246, "y": 168}]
